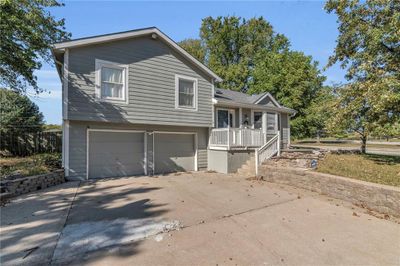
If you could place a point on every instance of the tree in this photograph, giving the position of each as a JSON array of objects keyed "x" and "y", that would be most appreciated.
[
  {"x": 296, "y": 82},
  {"x": 231, "y": 44},
  {"x": 195, "y": 48},
  {"x": 368, "y": 46},
  {"x": 27, "y": 32},
  {"x": 18, "y": 114},
  {"x": 252, "y": 58}
]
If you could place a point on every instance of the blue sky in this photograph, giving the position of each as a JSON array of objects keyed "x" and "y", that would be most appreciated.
[{"x": 309, "y": 28}]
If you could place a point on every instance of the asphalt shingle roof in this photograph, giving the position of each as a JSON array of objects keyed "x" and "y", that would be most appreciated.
[{"x": 237, "y": 96}]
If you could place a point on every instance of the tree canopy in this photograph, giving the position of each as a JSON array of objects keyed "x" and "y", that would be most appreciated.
[
  {"x": 296, "y": 82},
  {"x": 368, "y": 47},
  {"x": 230, "y": 44},
  {"x": 251, "y": 57},
  {"x": 27, "y": 32},
  {"x": 18, "y": 114}
]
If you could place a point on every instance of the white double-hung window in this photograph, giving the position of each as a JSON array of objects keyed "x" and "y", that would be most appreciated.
[
  {"x": 185, "y": 92},
  {"x": 111, "y": 81}
]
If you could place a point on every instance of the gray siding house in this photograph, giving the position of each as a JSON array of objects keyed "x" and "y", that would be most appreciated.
[{"x": 135, "y": 103}]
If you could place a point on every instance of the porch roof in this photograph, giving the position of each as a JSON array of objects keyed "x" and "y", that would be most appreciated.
[{"x": 230, "y": 98}]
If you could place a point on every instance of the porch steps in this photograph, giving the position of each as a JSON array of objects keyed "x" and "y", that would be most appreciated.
[{"x": 248, "y": 168}]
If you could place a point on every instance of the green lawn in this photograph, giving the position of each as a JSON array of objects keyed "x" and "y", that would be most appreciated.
[
  {"x": 31, "y": 165},
  {"x": 348, "y": 145},
  {"x": 372, "y": 168}
]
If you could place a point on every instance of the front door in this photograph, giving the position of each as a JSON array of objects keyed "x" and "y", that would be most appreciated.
[{"x": 225, "y": 117}]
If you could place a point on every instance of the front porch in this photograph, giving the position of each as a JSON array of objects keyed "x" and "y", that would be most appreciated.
[{"x": 238, "y": 138}]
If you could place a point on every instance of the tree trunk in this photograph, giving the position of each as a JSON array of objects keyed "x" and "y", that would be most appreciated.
[{"x": 363, "y": 144}]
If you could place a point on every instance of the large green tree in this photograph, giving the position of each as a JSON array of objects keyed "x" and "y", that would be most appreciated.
[
  {"x": 368, "y": 47},
  {"x": 251, "y": 57},
  {"x": 296, "y": 82},
  {"x": 18, "y": 114},
  {"x": 195, "y": 48},
  {"x": 27, "y": 32},
  {"x": 231, "y": 45}
]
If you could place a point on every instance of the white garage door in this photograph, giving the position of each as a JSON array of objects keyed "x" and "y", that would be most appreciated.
[
  {"x": 174, "y": 152},
  {"x": 116, "y": 154}
]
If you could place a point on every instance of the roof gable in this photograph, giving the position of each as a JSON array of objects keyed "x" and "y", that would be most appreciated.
[
  {"x": 267, "y": 99},
  {"x": 153, "y": 32}
]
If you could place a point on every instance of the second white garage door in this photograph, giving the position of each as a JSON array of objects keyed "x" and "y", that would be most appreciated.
[{"x": 174, "y": 152}]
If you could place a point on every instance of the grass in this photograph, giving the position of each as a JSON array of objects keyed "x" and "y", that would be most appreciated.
[
  {"x": 379, "y": 169},
  {"x": 31, "y": 165},
  {"x": 350, "y": 145}
]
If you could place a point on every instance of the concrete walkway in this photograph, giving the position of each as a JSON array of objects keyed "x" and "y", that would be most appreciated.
[{"x": 201, "y": 218}]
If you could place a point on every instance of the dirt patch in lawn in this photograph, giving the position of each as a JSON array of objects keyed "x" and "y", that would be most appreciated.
[{"x": 379, "y": 169}]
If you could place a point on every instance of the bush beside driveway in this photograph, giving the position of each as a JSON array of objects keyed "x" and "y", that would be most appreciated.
[{"x": 221, "y": 219}]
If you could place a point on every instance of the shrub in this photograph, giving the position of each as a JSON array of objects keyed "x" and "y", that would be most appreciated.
[{"x": 51, "y": 160}]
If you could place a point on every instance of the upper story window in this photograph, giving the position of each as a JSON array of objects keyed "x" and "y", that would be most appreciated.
[
  {"x": 185, "y": 92},
  {"x": 111, "y": 81}
]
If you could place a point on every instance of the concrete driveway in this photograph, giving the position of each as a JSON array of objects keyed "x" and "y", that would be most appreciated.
[{"x": 186, "y": 219}]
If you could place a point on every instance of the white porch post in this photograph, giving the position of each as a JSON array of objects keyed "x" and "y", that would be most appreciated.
[
  {"x": 288, "y": 129},
  {"x": 279, "y": 143},
  {"x": 229, "y": 141},
  {"x": 240, "y": 117},
  {"x": 264, "y": 125},
  {"x": 240, "y": 126}
]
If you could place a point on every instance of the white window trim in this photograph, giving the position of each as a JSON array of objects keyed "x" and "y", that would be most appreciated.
[
  {"x": 102, "y": 63},
  {"x": 230, "y": 111},
  {"x": 195, "y": 90}
]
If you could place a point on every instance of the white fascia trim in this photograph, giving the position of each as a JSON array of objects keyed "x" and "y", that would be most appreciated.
[
  {"x": 271, "y": 97},
  {"x": 99, "y": 63},
  {"x": 195, "y": 90},
  {"x": 137, "y": 33},
  {"x": 65, "y": 84}
]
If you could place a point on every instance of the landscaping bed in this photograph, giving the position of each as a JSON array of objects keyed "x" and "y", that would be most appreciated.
[{"x": 16, "y": 167}]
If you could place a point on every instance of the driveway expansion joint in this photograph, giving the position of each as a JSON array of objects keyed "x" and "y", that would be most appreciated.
[{"x": 65, "y": 222}]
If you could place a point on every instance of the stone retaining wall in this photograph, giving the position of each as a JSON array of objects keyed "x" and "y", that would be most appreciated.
[
  {"x": 380, "y": 198},
  {"x": 12, "y": 188}
]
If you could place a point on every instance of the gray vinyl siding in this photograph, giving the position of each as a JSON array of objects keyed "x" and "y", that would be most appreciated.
[
  {"x": 151, "y": 85},
  {"x": 78, "y": 141},
  {"x": 267, "y": 101},
  {"x": 285, "y": 129}
]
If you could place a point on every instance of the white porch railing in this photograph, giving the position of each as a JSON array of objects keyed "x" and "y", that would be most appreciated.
[
  {"x": 269, "y": 149},
  {"x": 236, "y": 137}
]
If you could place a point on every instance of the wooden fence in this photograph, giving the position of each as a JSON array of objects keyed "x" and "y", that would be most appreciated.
[{"x": 25, "y": 144}]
